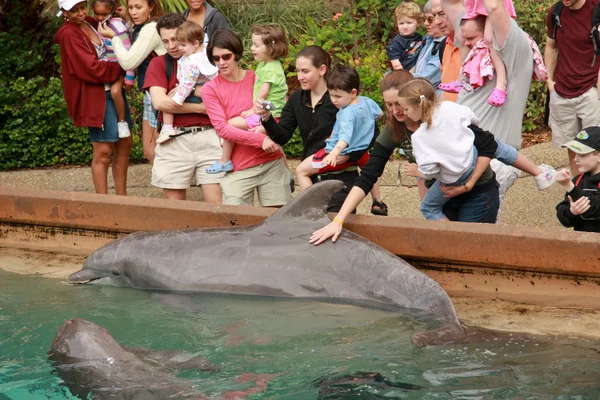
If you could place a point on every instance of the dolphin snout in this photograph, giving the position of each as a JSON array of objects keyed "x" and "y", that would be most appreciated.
[{"x": 83, "y": 275}]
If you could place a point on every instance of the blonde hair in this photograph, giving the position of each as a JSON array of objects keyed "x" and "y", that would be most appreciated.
[
  {"x": 273, "y": 36},
  {"x": 409, "y": 9},
  {"x": 419, "y": 92},
  {"x": 189, "y": 32}
]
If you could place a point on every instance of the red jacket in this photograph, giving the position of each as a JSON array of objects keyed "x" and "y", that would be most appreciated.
[{"x": 84, "y": 76}]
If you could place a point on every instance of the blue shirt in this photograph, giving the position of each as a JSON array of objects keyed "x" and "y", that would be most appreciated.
[
  {"x": 428, "y": 64},
  {"x": 406, "y": 49},
  {"x": 355, "y": 125}
]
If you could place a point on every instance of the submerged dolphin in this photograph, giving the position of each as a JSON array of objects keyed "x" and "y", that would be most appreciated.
[
  {"x": 92, "y": 364},
  {"x": 272, "y": 258}
]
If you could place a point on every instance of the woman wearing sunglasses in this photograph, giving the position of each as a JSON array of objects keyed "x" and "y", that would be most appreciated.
[{"x": 257, "y": 159}]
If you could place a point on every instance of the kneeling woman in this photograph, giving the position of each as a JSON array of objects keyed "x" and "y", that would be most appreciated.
[{"x": 86, "y": 85}]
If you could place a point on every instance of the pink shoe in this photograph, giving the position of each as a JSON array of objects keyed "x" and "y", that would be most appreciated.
[
  {"x": 452, "y": 87},
  {"x": 497, "y": 98}
]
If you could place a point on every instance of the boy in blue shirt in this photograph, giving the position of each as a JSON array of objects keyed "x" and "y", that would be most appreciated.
[
  {"x": 353, "y": 130},
  {"x": 581, "y": 207},
  {"x": 405, "y": 47}
]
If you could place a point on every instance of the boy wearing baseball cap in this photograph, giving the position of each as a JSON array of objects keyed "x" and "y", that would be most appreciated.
[{"x": 581, "y": 207}]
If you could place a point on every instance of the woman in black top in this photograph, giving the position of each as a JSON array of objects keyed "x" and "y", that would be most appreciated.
[
  {"x": 476, "y": 201},
  {"x": 311, "y": 111}
]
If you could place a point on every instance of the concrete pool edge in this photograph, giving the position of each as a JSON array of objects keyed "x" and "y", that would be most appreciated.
[{"x": 493, "y": 261}]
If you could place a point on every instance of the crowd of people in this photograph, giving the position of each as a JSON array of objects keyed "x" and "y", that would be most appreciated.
[{"x": 454, "y": 101}]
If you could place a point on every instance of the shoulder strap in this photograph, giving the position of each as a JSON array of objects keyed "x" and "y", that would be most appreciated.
[
  {"x": 170, "y": 66},
  {"x": 439, "y": 48},
  {"x": 578, "y": 180},
  {"x": 556, "y": 10},
  {"x": 594, "y": 34}
]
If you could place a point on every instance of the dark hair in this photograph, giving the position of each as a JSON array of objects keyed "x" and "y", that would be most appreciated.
[
  {"x": 157, "y": 10},
  {"x": 225, "y": 39},
  {"x": 317, "y": 56},
  {"x": 190, "y": 32},
  {"x": 273, "y": 36},
  {"x": 170, "y": 21},
  {"x": 344, "y": 78},
  {"x": 395, "y": 80},
  {"x": 112, "y": 4}
]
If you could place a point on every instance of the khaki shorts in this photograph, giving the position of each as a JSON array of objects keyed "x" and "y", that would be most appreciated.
[
  {"x": 179, "y": 160},
  {"x": 271, "y": 180},
  {"x": 570, "y": 116}
]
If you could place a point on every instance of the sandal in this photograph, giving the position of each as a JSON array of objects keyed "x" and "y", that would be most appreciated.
[
  {"x": 497, "y": 98},
  {"x": 379, "y": 208},
  {"x": 292, "y": 184},
  {"x": 452, "y": 87},
  {"x": 217, "y": 167}
]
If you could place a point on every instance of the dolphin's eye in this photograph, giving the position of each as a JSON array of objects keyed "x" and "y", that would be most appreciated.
[{"x": 116, "y": 273}]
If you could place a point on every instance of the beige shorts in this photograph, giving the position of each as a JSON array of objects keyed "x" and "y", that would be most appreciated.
[
  {"x": 271, "y": 180},
  {"x": 570, "y": 116},
  {"x": 179, "y": 160}
]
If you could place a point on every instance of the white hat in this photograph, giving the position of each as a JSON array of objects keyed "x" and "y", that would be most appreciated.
[{"x": 67, "y": 5}]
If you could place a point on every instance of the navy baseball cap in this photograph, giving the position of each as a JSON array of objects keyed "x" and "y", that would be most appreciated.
[{"x": 586, "y": 141}]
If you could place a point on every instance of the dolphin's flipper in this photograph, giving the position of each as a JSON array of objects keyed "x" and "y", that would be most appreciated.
[
  {"x": 172, "y": 359},
  {"x": 310, "y": 204}
]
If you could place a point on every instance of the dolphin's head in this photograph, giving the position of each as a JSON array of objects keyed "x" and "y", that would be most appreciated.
[
  {"x": 78, "y": 339},
  {"x": 107, "y": 265}
]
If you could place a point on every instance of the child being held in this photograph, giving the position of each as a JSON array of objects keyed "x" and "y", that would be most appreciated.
[
  {"x": 405, "y": 47},
  {"x": 193, "y": 69},
  {"x": 353, "y": 130},
  {"x": 269, "y": 43},
  {"x": 104, "y": 11},
  {"x": 581, "y": 207},
  {"x": 443, "y": 145}
]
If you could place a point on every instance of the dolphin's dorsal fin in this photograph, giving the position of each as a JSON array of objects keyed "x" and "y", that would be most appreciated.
[{"x": 312, "y": 203}]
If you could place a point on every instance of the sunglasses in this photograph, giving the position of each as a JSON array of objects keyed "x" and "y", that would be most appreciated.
[
  {"x": 430, "y": 19},
  {"x": 225, "y": 57}
]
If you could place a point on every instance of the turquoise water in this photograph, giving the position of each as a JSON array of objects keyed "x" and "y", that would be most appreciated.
[{"x": 299, "y": 340}]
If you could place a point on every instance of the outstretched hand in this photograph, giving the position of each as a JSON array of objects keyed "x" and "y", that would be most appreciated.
[
  {"x": 580, "y": 206},
  {"x": 332, "y": 229}
]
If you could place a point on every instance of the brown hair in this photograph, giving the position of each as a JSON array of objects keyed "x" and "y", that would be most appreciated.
[
  {"x": 189, "y": 32},
  {"x": 225, "y": 39},
  {"x": 395, "y": 80},
  {"x": 157, "y": 10},
  {"x": 317, "y": 56},
  {"x": 169, "y": 21},
  {"x": 421, "y": 93},
  {"x": 344, "y": 78},
  {"x": 273, "y": 36},
  {"x": 409, "y": 9}
]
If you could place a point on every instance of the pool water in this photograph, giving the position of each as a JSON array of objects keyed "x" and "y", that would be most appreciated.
[{"x": 301, "y": 341}]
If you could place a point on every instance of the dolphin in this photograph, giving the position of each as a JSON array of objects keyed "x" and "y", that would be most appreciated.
[
  {"x": 93, "y": 365},
  {"x": 273, "y": 258}
]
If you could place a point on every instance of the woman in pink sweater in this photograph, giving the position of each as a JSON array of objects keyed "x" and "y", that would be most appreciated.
[{"x": 257, "y": 159}]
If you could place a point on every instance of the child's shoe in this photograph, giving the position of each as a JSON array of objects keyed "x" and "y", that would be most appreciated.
[
  {"x": 546, "y": 178},
  {"x": 497, "y": 98},
  {"x": 379, "y": 208},
  {"x": 218, "y": 167},
  {"x": 451, "y": 87},
  {"x": 123, "y": 128},
  {"x": 165, "y": 134}
]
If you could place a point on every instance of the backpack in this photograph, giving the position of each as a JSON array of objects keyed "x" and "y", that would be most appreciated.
[{"x": 594, "y": 34}]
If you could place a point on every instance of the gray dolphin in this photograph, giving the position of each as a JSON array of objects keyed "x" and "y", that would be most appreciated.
[
  {"x": 92, "y": 364},
  {"x": 273, "y": 258}
]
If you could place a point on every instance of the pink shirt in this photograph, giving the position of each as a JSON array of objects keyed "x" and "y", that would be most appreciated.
[{"x": 224, "y": 100}]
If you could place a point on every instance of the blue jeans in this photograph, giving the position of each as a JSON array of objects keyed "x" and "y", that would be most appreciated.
[
  {"x": 109, "y": 132},
  {"x": 434, "y": 201},
  {"x": 481, "y": 204}
]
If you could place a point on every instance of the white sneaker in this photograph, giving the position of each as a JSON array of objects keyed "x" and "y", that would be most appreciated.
[
  {"x": 123, "y": 130},
  {"x": 546, "y": 178},
  {"x": 165, "y": 134}
]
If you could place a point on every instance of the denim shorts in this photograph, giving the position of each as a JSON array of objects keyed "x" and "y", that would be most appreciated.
[
  {"x": 149, "y": 111},
  {"x": 110, "y": 131}
]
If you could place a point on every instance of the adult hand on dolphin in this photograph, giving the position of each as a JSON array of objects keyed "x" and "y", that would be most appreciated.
[{"x": 332, "y": 229}]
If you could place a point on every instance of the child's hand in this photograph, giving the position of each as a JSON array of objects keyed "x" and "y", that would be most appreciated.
[
  {"x": 396, "y": 64},
  {"x": 411, "y": 169},
  {"x": 128, "y": 88},
  {"x": 175, "y": 104},
  {"x": 330, "y": 159},
  {"x": 258, "y": 129},
  {"x": 563, "y": 176},
  {"x": 580, "y": 206},
  {"x": 106, "y": 31},
  {"x": 247, "y": 113}
]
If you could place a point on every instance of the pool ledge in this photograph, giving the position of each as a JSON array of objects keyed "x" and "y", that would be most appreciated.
[{"x": 50, "y": 219}]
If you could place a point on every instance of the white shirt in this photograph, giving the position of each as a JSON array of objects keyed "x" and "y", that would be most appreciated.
[{"x": 444, "y": 151}]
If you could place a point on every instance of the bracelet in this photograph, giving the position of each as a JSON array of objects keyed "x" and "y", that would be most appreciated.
[
  {"x": 465, "y": 186},
  {"x": 338, "y": 221}
]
